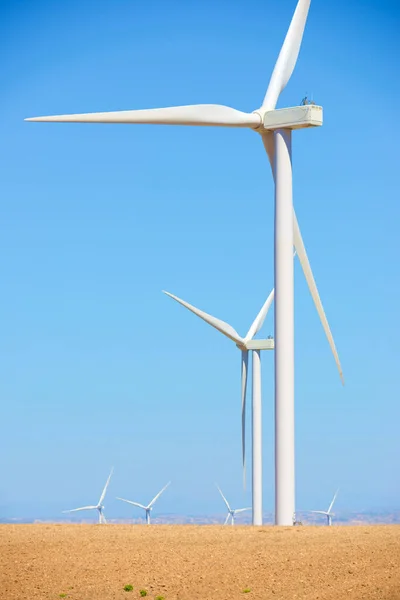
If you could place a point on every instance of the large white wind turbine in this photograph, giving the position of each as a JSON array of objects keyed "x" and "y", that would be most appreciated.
[
  {"x": 99, "y": 506},
  {"x": 328, "y": 513},
  {"x": 231, "y": 511},
  {"x": 149, "y": 507},
  {"x": 275, "y": 128},
  {"x": 246, "y": 344}
]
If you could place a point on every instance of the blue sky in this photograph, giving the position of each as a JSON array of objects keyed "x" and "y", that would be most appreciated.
[{"x": 97, "y": 366}]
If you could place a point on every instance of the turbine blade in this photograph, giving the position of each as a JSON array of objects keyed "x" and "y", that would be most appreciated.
[
  {"x": 260, "y": 318},
  {"x": 288, "y": 55},
  {"x": 134, "y": 503},
  {"x": 333, "y": 501},
  {"x": 223, "y": 497},
  {"x": 312, "y": 286},
  {"x": 245, "y": 363},
  {"x": 239, "y": 510},
  {"x": 269, "y": 145},
  {"x": 196, "y": 114},
  {"x": 221, "y": 326},
  {"x": 158, "y": 495},
  {"x": 81, "y": 508},
  {"x": 227, "y": 518},
  {"x": 319, "y": 512},
  {"x": 106, "y": 486}
]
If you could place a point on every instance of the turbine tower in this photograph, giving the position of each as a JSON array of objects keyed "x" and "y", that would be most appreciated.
[
  {"x": 275, "y": 128},
  {"x": 246, "y": 344},
  {"x": 99, "y": 506},
  {"x": 149, "y": 507},
  {"x": 231, "y": 511},
  {"x": 328, "y": 512}
]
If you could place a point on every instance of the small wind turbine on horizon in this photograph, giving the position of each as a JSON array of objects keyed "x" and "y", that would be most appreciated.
[
  {"x": 149, "y": 507},
  {"x": 231, "y": 511},
  {"x": 99, "y": 506},
  {"x": 328, "y": 512},
  {"x": 275, "y": 129},
  {"x": 246, "y": 344}
]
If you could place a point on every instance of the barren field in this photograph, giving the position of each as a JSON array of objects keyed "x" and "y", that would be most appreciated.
[{"x": 95, "y": 562}]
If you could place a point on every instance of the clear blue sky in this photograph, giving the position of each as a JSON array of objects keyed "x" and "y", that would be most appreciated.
[{"x": 97, "y": 366}]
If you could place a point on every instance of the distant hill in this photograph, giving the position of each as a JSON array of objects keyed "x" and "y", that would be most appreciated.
[{"x": 341, "y": 518}]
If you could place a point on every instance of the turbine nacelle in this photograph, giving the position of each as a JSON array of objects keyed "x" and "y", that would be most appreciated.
[
  {"x": 267, "y": 344},
  {"x": 295, "y": 117}
]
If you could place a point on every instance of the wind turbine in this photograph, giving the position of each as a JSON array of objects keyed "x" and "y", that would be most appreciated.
[
  {"x": 246, "y": 344},
  {"x": 275, "y": 128},
  {"x": 231, "y": 511},
  {"x": 328, "y": 512},
  {"x": 99, "y": 506},
  {"x": 149, "y": 507}
]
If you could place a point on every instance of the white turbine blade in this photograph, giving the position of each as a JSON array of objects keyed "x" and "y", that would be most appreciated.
[
  {"x": 239, "y": 510},
  {"x": 158, "y": 495},
  {"x": 268, "y": 140},
  {"x": 81, "y": 508},
  {"x": 105, "y": 487},
  {"x": 260, "y": 318},
  {"x": 288, "y": 55},
  {"x": 221, "y": 326},
  {"x": 223, "y": 497},
  {"x": 312, "y": 286},
  {"x": 333, "y": 501},
  {"x": 245, "y": 364},
  {"x": 134, "y": 503},
  {"x": 319, "y": 512},
  {"x": 227, "y": 518},
  {"x": 196, "y": 114}
]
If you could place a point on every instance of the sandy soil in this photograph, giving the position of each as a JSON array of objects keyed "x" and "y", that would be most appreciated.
[{"x": 95, "y": 562}]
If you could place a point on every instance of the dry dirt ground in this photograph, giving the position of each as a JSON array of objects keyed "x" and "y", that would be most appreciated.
[{"x": 95, "y": 562}]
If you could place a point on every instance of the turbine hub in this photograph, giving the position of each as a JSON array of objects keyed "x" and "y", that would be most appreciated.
[
  {"x": 267, "y": 344},
  {"x": 241, "y": 346}
]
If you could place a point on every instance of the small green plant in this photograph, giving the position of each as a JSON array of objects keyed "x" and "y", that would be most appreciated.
[
  {"x": 128, "y": 587},
  {"x": 143, "y": 593},
  {"x": 62, "y": 595},
  {"x": 246, "y": 590},
  {"x": 159, "y": 598}
]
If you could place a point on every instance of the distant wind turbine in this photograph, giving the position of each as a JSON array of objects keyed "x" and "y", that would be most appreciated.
[
  {"x": 328, "y": 512},
  {"x": 245, "y": 344},
  {"x": 231, "y": 511},
  {"x": 149, "y": 507},
  {"x": 99, "y": 506}
]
